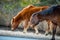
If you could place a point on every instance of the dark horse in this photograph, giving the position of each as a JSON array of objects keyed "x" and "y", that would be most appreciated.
[{"x": 52, "y": 14}]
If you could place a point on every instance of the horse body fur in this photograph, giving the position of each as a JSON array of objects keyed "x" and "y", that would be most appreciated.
[{"x": 24, "y": 15}]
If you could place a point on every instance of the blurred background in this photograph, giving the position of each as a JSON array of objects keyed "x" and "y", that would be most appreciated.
[{"x": 9, "y": 8}]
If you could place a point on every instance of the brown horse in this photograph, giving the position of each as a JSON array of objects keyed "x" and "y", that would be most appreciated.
[
  {"x": 51, "y": 15},
  {"x": 24, "y": 15}
]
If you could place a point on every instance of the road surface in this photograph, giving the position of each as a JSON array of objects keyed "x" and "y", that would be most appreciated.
[{"x": 6, "y": 34}]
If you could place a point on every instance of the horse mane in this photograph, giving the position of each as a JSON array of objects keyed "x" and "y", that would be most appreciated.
[
  {"x": 57, "y": 8},
  {"x": 47, "y": 11}
]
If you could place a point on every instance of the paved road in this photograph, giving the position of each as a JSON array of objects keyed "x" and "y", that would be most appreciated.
[
  {"x": 7, "y": 33},
  {"x": 13, "y": 38},
  {"x": 28, "y": 35}
]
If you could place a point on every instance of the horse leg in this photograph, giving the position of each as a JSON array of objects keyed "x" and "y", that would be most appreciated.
[
  {"x": 54, "y": 31},
  {"x": 26, "y": 26},
  {"x": 49, "y": 28},
  {"x": 36, "y": 30}
]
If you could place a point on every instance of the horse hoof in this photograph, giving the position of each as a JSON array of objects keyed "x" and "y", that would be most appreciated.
[
  {"x": 46, "y": 34},
  {"x": 53, "y": 39},
  {"x": 24, "y": 32},
  {"x": 12, "y": 29},
  {"x": 37, "y": 33}
]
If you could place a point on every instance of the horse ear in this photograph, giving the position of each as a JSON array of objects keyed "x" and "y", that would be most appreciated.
[
  {"x": 12, "y": 20},
  {"x": 30, "y": 6}
]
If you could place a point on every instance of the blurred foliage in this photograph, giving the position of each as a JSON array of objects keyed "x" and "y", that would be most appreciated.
[
  {"x": 9, "y": 8},
  {"x": 27, "y": 2}
]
